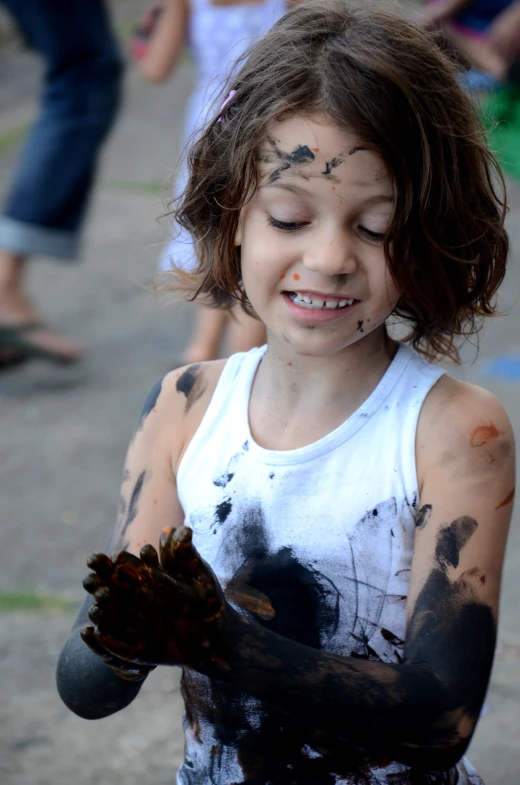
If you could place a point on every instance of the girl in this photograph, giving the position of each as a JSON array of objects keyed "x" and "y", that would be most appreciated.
[
  {"x": 217, "y": 32},
  {"x": 331, "y": 509}
]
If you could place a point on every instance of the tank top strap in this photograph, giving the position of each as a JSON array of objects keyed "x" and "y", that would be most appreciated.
[
  {"x": 229, "y": 398},
  {"x": 404, "y": 408}
]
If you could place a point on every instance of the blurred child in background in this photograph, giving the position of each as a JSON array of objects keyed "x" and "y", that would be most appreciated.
[
  {"x": 485, "y": 32},
  {"x": 217, "y": 32}
]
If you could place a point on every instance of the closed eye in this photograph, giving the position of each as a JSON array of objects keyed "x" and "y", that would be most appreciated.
[
  {"x": 375, "y": 236},
  {"x": 286, "y": 226}
]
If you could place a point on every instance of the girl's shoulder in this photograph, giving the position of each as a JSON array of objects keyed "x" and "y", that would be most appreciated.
[
  {"x": 463, "y": 428},
  {"x": 180, "y": 402}
]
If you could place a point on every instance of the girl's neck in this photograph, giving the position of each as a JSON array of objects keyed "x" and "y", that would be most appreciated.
[{"x": 321, "y": 392}]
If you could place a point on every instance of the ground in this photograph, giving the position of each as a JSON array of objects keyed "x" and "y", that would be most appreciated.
[{"x": 65, "y": 434}]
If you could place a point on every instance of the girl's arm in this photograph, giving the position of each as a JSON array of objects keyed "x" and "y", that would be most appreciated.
[
  {"x": 167, "y": 41},
  {"x": 94, "y": 686},
  {"x": 423, "y": 712}
]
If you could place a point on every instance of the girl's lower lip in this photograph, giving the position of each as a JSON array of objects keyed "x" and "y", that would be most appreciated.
[{"x": 316, "y": 314}]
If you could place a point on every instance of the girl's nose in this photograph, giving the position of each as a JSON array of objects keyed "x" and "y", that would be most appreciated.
[{"x": 330, "y": 254}]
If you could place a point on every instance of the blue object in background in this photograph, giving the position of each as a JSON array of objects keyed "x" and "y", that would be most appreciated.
[
  {"x": 505, "y": 367},
  {"x": 477, "y": 81}
]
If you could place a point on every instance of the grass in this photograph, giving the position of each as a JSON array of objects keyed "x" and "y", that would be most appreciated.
[
  {"x": 28, "y": 601},
  {"x": 12, "y": 137}
]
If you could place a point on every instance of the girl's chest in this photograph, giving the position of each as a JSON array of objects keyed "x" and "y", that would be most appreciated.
[{"x": 309, "y": 553}]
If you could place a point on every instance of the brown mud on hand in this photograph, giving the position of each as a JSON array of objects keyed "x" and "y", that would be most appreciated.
[{"x": 157, "y": 611}]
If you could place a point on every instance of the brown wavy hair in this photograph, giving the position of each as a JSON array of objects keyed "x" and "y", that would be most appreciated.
[{"x": 388, "y": 81}]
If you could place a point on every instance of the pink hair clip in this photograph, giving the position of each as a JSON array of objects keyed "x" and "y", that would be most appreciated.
[{"x": 228, "y": 99}]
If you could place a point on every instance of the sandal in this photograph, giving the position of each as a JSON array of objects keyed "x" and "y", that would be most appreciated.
[{"x": 18, "y": 337}]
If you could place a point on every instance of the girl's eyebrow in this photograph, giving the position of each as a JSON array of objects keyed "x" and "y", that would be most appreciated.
[
  {"x": 287, "y": 187},
  {"x": 296, "y": 189}
]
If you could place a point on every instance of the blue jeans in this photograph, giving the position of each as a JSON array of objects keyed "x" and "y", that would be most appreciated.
[{"x": 46, "y": 205}]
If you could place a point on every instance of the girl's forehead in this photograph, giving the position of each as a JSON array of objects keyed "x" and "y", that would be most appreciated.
[
  {"x": 314, "y": 144},
  {"x": 314, "y": 129}
]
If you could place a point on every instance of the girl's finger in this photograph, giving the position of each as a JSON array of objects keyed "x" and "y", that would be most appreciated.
[
  {"x": 119, "y": 648},
  {"x": 128, "y": 559},
  {"x": 165, "y": 549},
  {"x": 125, "y": 632},
  {"x": 93, "y": 639},
  {"x": 125, "y": 613},
  {"x": 92, "y": 583},
  {"x": 101, "y": 564},
  {"x": 149, "y": 556},
  {"x": 89, "y": 637},
  {"x": 178, "y": 555}
]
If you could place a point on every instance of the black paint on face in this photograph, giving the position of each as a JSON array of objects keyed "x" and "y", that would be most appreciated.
[
  {"x": 300, "y": 156},
  {"x": 332, "y": 164},
  {"x": 423, "y": 516},
  {"x": 192, "y": 385},
  {"x": 149, "y": 404},
  {"x": 359, "y": 327}
]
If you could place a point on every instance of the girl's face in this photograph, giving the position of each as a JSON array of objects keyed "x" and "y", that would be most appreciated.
[{"x": 311, "y": 237}]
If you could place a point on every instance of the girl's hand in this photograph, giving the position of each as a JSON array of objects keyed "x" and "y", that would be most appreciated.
[{"x": 151, "y": 612}]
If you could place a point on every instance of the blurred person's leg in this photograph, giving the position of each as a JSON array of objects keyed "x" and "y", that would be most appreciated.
[
  {"x": 210, "y": 324},
  {"x": 480, "y": 55},
  {"x": 245, "y": 332},
  {"x": 478, "y": 31},
  {"x": 46, "y": 205}
]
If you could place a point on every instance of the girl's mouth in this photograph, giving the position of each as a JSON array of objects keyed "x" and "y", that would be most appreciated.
[
  {"x": 310, "y": 307},
  {"x": 317, "y": 303}
]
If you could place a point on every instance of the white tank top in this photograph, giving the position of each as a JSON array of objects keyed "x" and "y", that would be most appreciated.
[{"x": 314, "y": 543}]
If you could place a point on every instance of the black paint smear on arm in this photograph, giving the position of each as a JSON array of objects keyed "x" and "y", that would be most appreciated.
[
  {"x": 410, "y": 712},
  {"x": 452, "y": 539},
  {"x": 134, "y": 498},
  {"x": 149, "y": 403},
  {"x": 119, "y": 541},
  {"x": 192, "y": 385},
  {"x": 423, "y": 516}
]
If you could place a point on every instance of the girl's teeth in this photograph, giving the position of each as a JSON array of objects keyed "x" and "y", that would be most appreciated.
[{"x": 309, "y": 302}]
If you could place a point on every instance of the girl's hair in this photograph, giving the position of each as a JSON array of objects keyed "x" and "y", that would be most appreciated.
[{"x": 388, "y": 81}]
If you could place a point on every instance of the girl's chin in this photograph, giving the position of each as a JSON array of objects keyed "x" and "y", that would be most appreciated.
[{"x": 310, "y": 344}]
